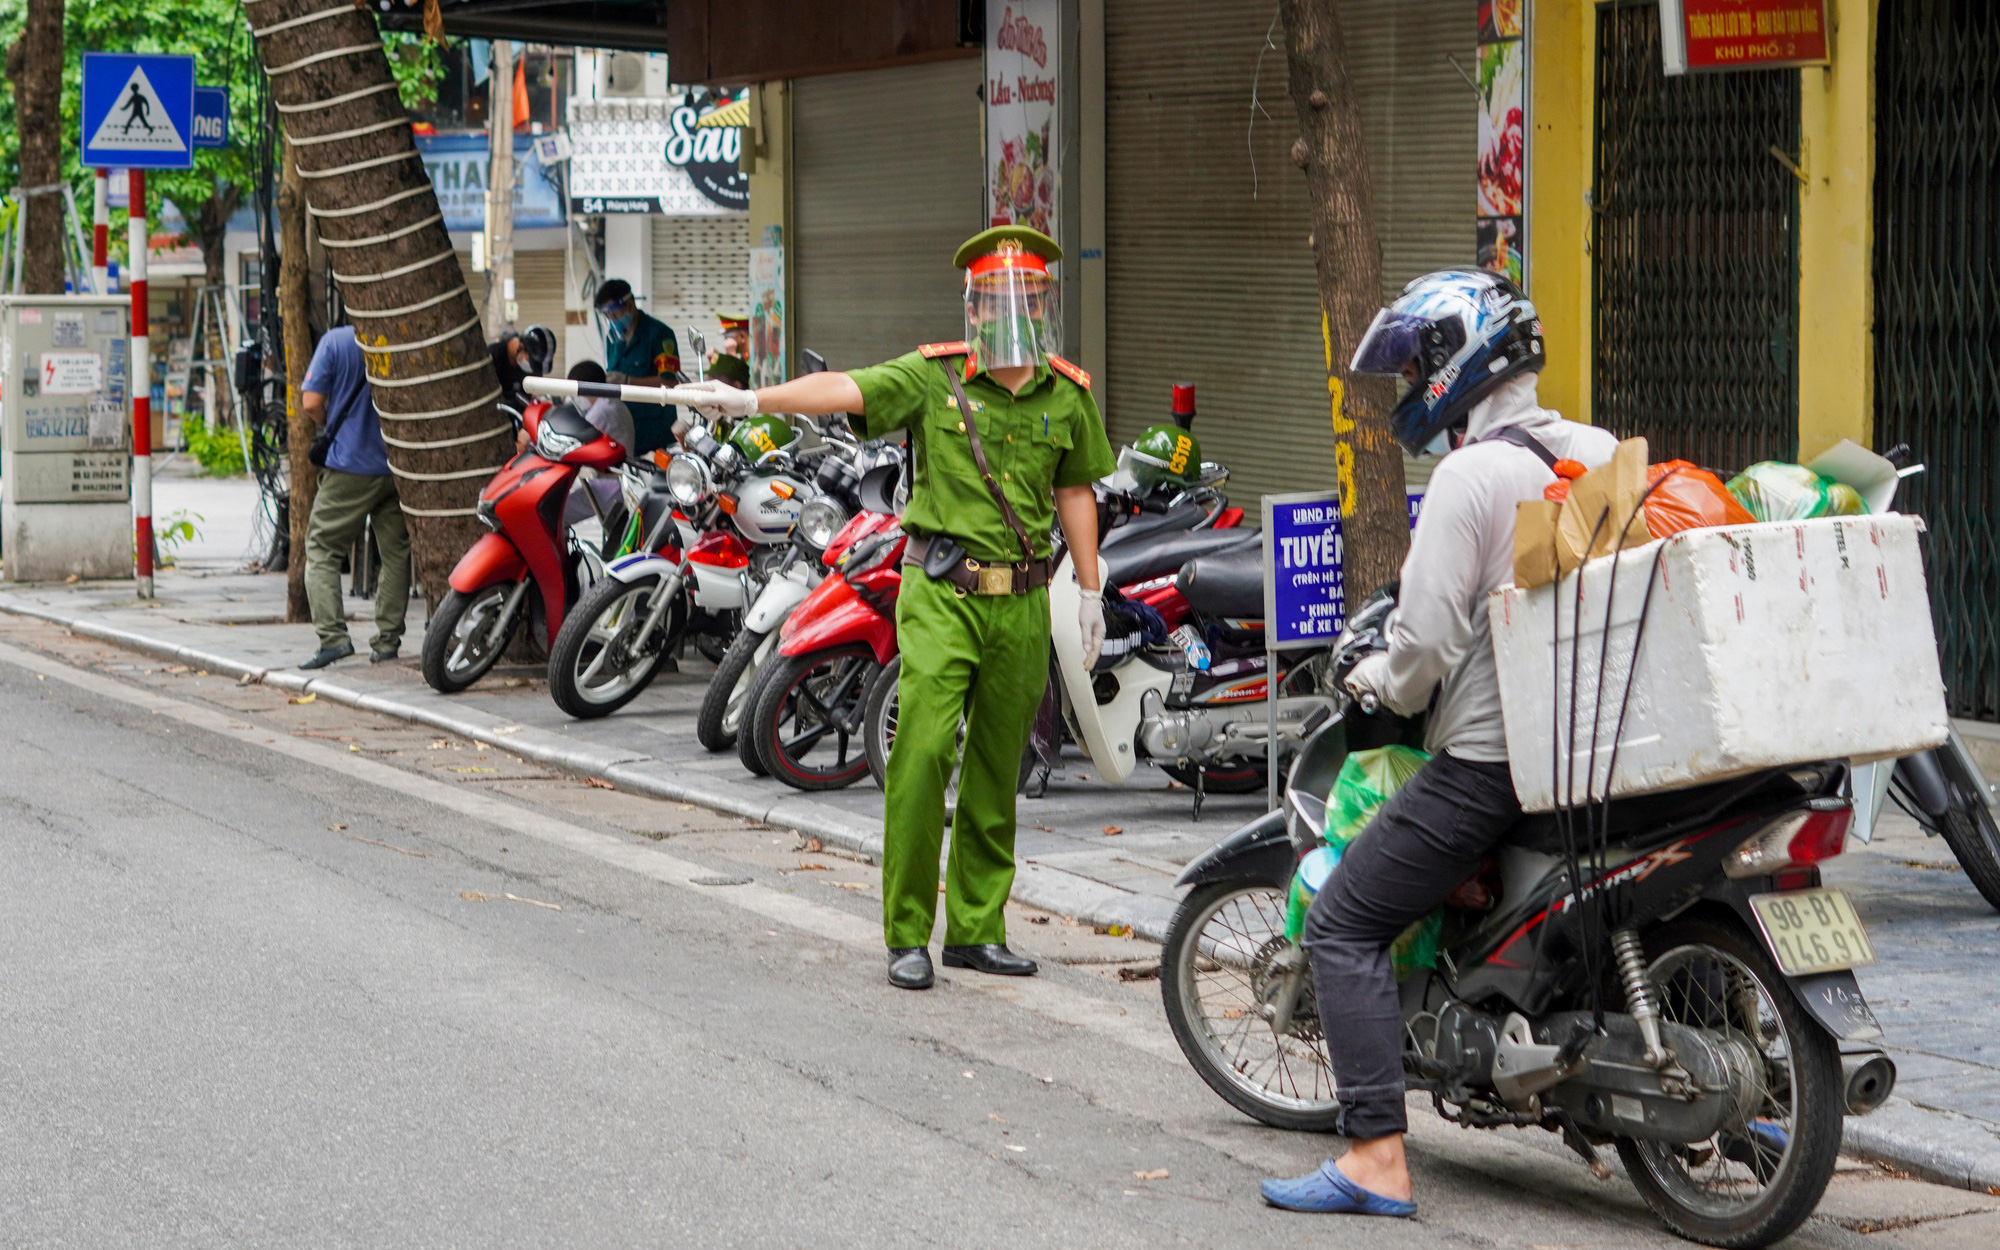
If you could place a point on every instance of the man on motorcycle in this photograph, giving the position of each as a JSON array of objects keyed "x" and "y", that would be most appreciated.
[
  {"x": 1469, "y": 345},
  {"x": 1005, "y": 439}
]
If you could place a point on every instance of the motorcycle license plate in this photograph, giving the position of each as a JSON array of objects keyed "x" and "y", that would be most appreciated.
[{"x": 1812, "y": 931}]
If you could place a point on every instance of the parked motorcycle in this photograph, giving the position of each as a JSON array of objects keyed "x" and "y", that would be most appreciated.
[
  {"x": 1688, "y": 1004},
  {"x": 528, "y": 547}
]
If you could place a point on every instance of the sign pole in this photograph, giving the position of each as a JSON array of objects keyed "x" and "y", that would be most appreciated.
[
  {"x": 142, "y": 390},
  {"x": 100, "y": 233}
]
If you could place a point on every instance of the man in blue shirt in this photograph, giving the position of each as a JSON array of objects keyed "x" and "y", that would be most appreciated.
[
  {"x": 355, "y": 486},
  {"x": 639, "y": 351}
]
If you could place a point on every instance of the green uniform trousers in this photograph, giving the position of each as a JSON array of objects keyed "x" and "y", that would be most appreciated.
[
  {"x": 344, "y": 502},
  {"x": 985, "y": 657}
]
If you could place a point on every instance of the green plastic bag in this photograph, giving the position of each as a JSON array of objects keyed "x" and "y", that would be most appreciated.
[
  {"x": 1366, "y": 781},
  {"x": 1772, "y": 490}
]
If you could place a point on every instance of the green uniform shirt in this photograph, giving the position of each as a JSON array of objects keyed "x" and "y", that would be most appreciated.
[
  {"x": 652, "y": 351},
  {"x": 1049, "y": 435}
]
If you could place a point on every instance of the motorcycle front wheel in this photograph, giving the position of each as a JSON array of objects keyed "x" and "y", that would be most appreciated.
[
  {"x": 808, "y": 716},
  {"x": 467, "y": 636},
  {"x": 1225, "y": 959},
  {"x": 1752, "y": 1183},
  {"x": 721, "y": 716},
  {"x": 598, "y": 663},
  {"x": 1969, "y": 829}
]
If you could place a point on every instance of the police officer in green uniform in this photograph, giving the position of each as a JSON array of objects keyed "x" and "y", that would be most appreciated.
[
  {"x": 639, "y": 350},
  {"x": 1005, "y": 439}
]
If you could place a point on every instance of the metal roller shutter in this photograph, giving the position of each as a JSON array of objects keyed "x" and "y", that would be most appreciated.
[
  {"x": 701, "y": 268},
  {"x": 887, "y": 183},
  {"x": 538, "y": 289},
  {"x": 1209, "y": 276}
]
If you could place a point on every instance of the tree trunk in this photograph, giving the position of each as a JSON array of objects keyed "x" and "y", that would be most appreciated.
[
  {"x": 500, "y": 187},
  {"x": 1368, "y": 465},
  {"x": 211, "y": 227},
  {"x": 35, "y": 66},
  {"x": 394, "y": 266},
  {"x": 295, "y": 320}
]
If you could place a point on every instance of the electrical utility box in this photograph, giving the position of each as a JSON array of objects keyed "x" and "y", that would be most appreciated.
[{"x": 65, "y": 436}]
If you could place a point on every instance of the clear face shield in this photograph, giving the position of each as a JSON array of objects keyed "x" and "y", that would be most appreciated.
[{"x": 1013, "y": 316}]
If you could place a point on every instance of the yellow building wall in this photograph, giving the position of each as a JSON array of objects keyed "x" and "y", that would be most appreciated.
[
  {"x": 1562, "y": 56},
  {"x": 1836, "y": 236}
]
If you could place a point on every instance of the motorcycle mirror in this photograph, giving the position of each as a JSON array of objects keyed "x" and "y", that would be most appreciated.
[
  {"x": 811, "y": 361},
  {"x": 878, "y": 487}
]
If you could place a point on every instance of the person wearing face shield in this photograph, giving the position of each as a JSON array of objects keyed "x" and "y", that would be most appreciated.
[
  {"x": 1468, "y": 345},
  {"x": 1005, "y": 439},
  {"x": 639, "y": 350}
]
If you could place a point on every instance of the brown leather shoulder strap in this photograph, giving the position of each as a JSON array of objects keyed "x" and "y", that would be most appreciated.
[{"x": 986, "y": 470}]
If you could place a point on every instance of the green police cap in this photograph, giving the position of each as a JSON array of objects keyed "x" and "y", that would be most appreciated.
[
  {"x": 734, "y": 368},
  {"x": 986, "y": 242}
]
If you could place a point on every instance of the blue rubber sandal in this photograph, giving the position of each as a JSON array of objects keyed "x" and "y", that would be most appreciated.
[{"x": 1330, "y": 1191}]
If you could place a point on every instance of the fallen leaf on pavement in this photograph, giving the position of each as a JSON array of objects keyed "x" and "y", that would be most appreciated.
[
  {"x": 72, "y": 579},
  {"x": 805, "y": 867},
  {"x": 1113, "y": 930},
  {"x": 1151, "y": 1174},
  {"x": 995, "y": 1118},
  {"x": 1232, "y": 1013},
  {"x": 851, "y": 885},
  {"x": 472, "y": 896},
  {"x": 687, "y": 807},
  {"x": 177, "y": 668},
  {"x": 1151, "y": 972},
  {"x": 812, "y": 844},
  {"x": 1045, "y": 828},
  {"x": 598, "y": 783},
  {"x": 507, "y": 729},
  {"x": 1038, "y": 920},
  {"x": 201, "y": 672},
  {"x": 1081, "y": 776},
  {"x": 481, "y": 745},
  {"x": 303, "y": 698},
  {"x": 355, "y": 837},
  {"x": 533, "y": 902},
  {"x": 1017, "y": 1149},
  {"x": 1112, "y": 831},
  {"x": 439, "y": 745},
  {"x": 352, "y": 747},
  {"x": 473, "y": 769},
  {"x": 336, "y": 828},
  {"x": 246, "y": 679}
]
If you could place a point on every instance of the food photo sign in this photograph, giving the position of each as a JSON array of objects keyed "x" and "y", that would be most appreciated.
[
  {"x": 1022, "y": 52},
  {"x": 1503, "y": 138}
]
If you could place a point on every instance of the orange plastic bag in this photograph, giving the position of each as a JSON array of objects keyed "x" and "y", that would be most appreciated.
[{"x": 1689, "y": 499}]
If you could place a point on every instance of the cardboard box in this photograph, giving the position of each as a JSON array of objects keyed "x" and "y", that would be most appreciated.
[{"x": 1765, "y": 645}]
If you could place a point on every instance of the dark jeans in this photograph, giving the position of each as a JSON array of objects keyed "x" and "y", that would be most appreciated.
[{"x": 1427, "y": 838}]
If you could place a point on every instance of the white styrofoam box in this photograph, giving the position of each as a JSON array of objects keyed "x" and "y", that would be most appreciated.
[{"x": 1766, "y": 645}]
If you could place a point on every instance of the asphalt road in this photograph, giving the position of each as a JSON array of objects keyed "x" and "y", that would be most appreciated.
[{"x": 279, "y": 975}]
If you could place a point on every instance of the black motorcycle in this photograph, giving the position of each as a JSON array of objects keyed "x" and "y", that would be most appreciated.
[{"x": 1689, "y": 1004}]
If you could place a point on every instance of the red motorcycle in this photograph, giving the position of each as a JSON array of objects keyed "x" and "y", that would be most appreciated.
[
  {"x": 804, "y": 723},
  {"x": 530, "y": 547}
]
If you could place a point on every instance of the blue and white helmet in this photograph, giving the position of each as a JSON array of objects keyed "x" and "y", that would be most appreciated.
[{"x": 1455, "y": 335}]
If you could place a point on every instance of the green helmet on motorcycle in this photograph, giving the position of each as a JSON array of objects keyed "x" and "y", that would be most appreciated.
[
  {"x": 753, "y": 436},
  {"x": 1164, "y": 455}
]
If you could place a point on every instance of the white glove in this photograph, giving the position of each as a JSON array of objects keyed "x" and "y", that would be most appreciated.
[
  {"x": 722, "y": 400},
  {"x": 1364, "y": 682},
  {"x": 1090, "y": 618}
]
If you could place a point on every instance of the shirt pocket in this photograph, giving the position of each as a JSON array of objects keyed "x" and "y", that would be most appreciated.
[
  {"x": 1050, "y": 438},
  {"x": 947, "y": 449}
]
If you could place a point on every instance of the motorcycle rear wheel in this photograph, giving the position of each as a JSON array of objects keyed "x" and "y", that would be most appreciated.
[
  {"x": 595, "y": 668},
  {"x": 1742, "y": 1189},
  {"x": 463, "y": 640},
  {"x": 805, "y": 700},
  {"x": 1222, "y": 940},
  {"x": 728, "y": 698}
]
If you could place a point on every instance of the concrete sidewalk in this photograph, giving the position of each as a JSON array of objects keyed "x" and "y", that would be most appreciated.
[{"x": 1938, "y": 941}]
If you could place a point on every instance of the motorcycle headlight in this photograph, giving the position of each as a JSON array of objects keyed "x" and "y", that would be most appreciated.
[
  {"x": 687, "y": 480},
  {"x": 820, "y": 520},
  {"x": 553, "y": 444}
]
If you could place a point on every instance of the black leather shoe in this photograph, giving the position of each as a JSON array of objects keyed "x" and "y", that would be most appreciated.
[
  {"x": 993, "y": 958},
  {"x": 910, "y": 968},
  {"x": 327, "y": 655},
  {"x": 383, "y": 655}
]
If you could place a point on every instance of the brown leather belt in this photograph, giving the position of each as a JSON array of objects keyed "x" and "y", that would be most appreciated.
[{"x": 976, "y": 577}]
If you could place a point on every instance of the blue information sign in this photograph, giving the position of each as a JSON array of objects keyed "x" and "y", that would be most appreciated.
[
  {"x": 138, "y": 110},
  {"x": 1304, "y": 604},
  {"x": 211, "y": 117}
]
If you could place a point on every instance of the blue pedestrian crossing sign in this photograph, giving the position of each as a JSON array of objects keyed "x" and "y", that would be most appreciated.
[
  {"x": 138, "y": 110},
  {"x": 211, "y": 117}
]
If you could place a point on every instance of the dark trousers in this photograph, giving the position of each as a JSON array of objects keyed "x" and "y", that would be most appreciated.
[{"x": 1427, "y": 838}]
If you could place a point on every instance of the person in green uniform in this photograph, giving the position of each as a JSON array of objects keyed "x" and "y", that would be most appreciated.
[
  {"x": 999, "y": 416},
  {"x": 639, "y": 350}
]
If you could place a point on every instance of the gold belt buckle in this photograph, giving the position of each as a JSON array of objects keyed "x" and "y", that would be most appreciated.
[{"x": 995, "y": 581}]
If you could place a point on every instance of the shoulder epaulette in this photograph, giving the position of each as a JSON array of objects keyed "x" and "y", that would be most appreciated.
[
  {"x": 1070, "y": 371},
  {"x": 931, "y": 351}
]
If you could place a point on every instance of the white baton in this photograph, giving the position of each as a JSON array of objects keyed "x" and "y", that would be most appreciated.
[{"x": 564, "y": 388}]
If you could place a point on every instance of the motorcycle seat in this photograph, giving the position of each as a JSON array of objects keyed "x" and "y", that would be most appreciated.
[
  {"x": 1228, "y": 584},
  {"x": 1645, "y": 820},
  {"x": 1163, "y": 551},
  {"x": 565, "y": 419},
  {"x": 1180, "y": 519}
]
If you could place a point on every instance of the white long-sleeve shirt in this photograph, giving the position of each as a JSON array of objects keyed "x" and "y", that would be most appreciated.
[{"x": 1462, "y": 550}]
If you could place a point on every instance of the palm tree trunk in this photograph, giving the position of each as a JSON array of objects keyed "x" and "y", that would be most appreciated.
[
  {"x": 35, "y": 66},
  {"x": 295, "y": 319},
  {"x": 1368, "y": 465},
  {"x": 393, "y": 263}
]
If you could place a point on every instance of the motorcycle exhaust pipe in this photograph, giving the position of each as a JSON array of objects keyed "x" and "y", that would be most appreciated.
[{"x": 1866, "y": 1080}]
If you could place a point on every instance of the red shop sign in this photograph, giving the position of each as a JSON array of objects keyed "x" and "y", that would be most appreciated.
[{"x": 1703, "y": 35}]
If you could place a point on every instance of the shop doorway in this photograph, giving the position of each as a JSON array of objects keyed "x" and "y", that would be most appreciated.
[
  {"x": 1695, "y": 240},
  {"x": 1937, "y": 312}
]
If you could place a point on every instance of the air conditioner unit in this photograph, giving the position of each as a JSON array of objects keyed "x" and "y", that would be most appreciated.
[{"x": 624, "y": 74}]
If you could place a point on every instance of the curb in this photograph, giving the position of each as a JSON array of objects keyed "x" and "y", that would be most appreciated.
[
  {"x": 1935, "y": 1145},
  {"x": 1036, "y": 885}
]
